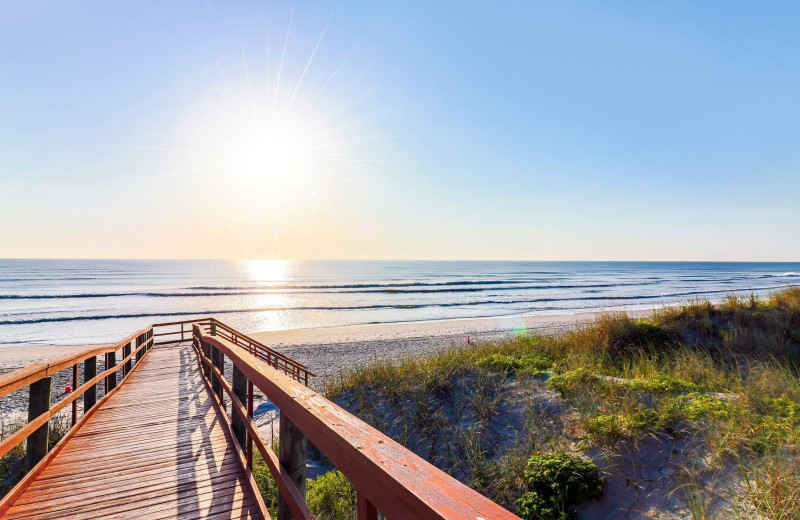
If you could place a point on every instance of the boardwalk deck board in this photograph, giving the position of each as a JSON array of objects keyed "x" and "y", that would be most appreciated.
[{"x": 156, "y": 449}]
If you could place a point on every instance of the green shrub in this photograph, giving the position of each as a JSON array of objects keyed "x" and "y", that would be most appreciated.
[
  {"x": 266, "y": 484},
  {"x": 534, "y": 505},
  {"x": 694, "y": 406},
  {"x": 556, "y": 482},
  {"x": 331, "y": 497},
  {"x": 510, "y": 364},
  {"x": 611, "y": 427},
  {"x": 776, "y": 425},
  {"x": 569, "y": 383},
  {"x": 781, "y": 407},
  {"x": 660, "y": 384}
]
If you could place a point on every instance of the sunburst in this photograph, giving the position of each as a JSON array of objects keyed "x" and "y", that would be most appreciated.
[{"x": 252, "y": 153}]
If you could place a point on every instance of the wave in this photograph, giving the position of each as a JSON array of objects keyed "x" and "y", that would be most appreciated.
[
  {"x": 373, "y": 307},
  {"x": 363, "y": 285},
  {"x": 387, "y": 289}
]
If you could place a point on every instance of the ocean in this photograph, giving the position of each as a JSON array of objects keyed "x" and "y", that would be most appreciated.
[{"x": 74, "y": 302}]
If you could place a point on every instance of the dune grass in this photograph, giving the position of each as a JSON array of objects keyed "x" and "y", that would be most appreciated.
[{"x": 718, "y": 383}]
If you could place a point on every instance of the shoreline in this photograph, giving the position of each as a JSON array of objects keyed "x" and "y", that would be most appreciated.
[{"x": 328, "y": 350}]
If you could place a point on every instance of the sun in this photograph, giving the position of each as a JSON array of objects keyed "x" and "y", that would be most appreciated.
[
  {"x": 267, "y": 159},
  {"x": 263, "y": 148}
]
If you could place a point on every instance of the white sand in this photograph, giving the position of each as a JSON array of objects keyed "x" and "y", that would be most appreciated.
[
  {"x": 327, "y": 351},
  {"x": 12, "y": 358}
]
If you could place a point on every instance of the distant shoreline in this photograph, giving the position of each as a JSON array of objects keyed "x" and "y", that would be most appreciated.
[{"x": 327, "y": 350}]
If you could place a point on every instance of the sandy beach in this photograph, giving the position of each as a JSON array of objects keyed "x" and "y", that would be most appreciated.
[{"x": 327, "y": 351}]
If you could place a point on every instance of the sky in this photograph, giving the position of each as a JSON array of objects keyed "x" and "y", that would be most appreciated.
[{"x": 400, "y": 130}]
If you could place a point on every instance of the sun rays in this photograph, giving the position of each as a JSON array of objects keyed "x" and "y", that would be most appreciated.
[{"x": 257, "y": 154}]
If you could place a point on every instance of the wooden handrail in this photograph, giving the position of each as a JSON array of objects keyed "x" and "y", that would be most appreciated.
[
  {"x": 38, "y": 453},
  {"x": 298, "y": 371},
  {"x": 23, "y": 484},
  {"x": 29, "y": 428},
  {"x": 388, "y": 477},
  {"x": 25, "y": 376},
  {"x": 285, "y": 485}
]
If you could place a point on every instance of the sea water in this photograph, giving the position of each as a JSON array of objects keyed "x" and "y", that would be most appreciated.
[{"x": 97, "y": 301}]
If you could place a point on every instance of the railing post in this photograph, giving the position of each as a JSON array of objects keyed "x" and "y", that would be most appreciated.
[
  {"x": 74, "y": 386},
  {"x": 111, "y": 379},
  {"x": 38, "y": 403},
  {"x": 218, "y": 360},
  {"x": 89, "y": 371},
  {"x": 366, "y": 511},
  {"x": 206, "y": 348},
  {"x": 138, "y": 344},
  {"x": 213, "y": 328},
  {"x": 240, "y": 391},
  {"x": 126, "y": 351},
  {"x": 292, "y": 455},
  {"x": 250, "y": 416}
]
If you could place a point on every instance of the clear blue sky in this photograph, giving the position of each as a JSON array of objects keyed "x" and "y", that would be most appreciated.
[{"x": 536, "y": 130}]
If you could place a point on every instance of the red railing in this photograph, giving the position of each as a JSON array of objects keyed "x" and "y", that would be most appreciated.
[
  {"x": 38, "y": 378},
  {"x": 182, "y": 331},
  {"x": 388, "y": 478}
]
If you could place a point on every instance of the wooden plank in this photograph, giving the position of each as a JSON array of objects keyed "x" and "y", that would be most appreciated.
[
  {"x": 286, "y": 487},
  {"x": 23, "y": 484}
]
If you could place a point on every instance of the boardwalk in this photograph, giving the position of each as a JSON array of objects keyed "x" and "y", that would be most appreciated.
[
  {"x": 158, "y": 446},
  {"x": 156, "y": 449}
]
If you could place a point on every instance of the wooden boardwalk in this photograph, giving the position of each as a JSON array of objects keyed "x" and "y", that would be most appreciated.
[
  {"x": 158, "y": 448},
  {"x": 157, "y": 445}
]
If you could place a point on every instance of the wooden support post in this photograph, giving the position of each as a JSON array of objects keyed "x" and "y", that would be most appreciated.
[
  {"x": 126, "y": 351},
  {"x": 292, "y": 455},
  {"x": 105, "y": 367},
  {"x": 217, "y": 359},
  {"x": 111, "y": 379},
  {"x": 89, "y": 371},
  {"x": 250, "y": 415},
  {"x": 240, "y": 390},
  {"x": 38, "y": 403},
  {"x": 213, "y": 328},
  {"x": 74, "y": 386},
  {"x": 207, "y": 355},
  {"x": 139, "y": 353},
  {"x": 366, "y": 511}
]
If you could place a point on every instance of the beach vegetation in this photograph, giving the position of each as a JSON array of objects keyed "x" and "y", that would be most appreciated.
[
  {"x": 556, "y": 482},
  {"x": 331, "y": 495},
  {"x": 698, "y": 405}
]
